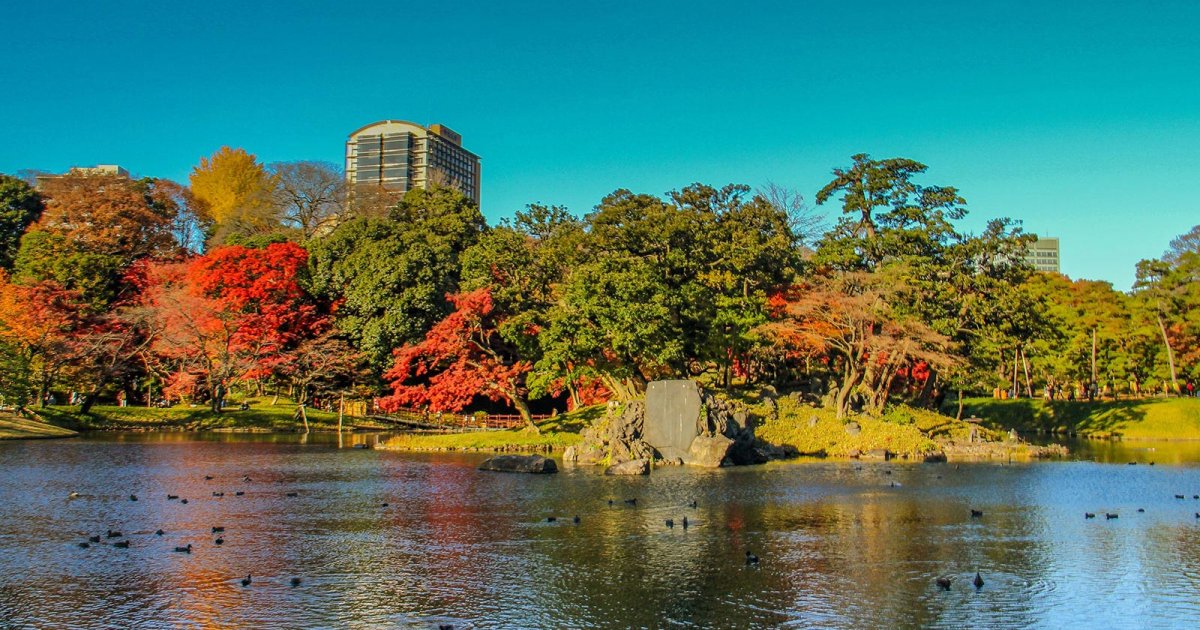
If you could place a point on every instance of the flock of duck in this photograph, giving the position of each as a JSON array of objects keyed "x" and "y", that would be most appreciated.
[
  {"x": 218, "y": 531},
  {"x": 943, "y": 582}
]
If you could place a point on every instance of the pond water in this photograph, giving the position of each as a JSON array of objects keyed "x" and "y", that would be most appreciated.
[{"x": 839, "y": 545}]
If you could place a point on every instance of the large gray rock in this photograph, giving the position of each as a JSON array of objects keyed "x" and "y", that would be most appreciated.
[
  {"x": 672, "y": 413},
  {"x": 666, "y": 427},
  {"x": 634, "y": 467},
  {"x": 708, "y": 451},
  {"x": 520, "y": 463}
]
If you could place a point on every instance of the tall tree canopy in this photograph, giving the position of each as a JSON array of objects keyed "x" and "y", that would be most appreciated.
[
  {"x": 93, "y": 228},
  {"x": 237, "y": 193},
  {"x": 660, "y": 288},
  {"x": 390, "y": 276},
  {"x": 20, "y": 206},
  {"x": 38, "y": 326},
  {"x": 219, "y": 317},
  {"x": 464, "y": 356},
  {"x": 311, "y": 196},
  {"x": 1169, "y": 291}
]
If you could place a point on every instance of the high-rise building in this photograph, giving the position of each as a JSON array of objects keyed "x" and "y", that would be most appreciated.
[
  {"x": 398, "y": 155},
  {"x": 1043, "y": 254}
]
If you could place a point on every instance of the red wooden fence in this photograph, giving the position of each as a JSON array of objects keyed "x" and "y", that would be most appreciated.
[{"x": 490, "y": 422}]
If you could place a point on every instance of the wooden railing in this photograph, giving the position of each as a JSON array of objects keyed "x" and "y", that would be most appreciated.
[{"x": 462, "y": 422}]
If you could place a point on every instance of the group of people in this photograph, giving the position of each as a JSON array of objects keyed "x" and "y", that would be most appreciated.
[{"x": 1093, "y": 390}]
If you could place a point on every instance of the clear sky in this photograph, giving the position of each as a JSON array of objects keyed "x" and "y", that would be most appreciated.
[{"x": 1080, "y": 118}]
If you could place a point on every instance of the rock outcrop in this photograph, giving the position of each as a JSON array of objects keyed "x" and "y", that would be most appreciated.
[
  {"x": 535, "y": 464},
  {"x": 678, "y": 423},
  {"x": 633, "y": 467}
]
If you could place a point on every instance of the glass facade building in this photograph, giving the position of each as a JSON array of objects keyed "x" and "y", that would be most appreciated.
[{"x": 398, "y": 155}]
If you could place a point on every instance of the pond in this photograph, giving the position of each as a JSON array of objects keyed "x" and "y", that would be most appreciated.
[{"x": 841, "y": 544}]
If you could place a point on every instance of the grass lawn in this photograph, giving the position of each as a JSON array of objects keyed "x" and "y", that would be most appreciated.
[
  {"x": 15, "y": 428},
  {"x": 904, "y": 431},
  {"x": 557, "y": 433},
  {"x": 262, "y": 416},
  {"x": 1150, "y": 418}
]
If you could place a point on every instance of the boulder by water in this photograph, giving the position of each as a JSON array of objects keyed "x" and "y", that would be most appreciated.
[
  {"x": 678, "y": 422},
  {"x": 535, "y": 464},
  {"x": 633, "y": 467},
  {"x": 708, "y": 451}
]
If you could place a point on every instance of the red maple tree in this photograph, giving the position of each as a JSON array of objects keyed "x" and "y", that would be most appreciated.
[
  {"x": 220, "y": 316},
  {"x": 462, "y": 357}
]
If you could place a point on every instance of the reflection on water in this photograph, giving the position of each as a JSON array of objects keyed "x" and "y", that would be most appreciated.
[
  {"x": 1139, "y": 451},
  {"x": 839, "y": 544}
]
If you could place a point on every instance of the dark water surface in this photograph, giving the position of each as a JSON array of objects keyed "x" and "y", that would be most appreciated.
[{"x": 839, "y": 546}]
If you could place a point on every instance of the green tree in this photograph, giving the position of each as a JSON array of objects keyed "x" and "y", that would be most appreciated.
[
  {"x": 961, "y": 287},
  {"x": 390, "y": 276},
  {"x": 1168, "y": 293},
  {"x": 885, "y": 214},
  {"x": 661, "y": 288},
  {"x": 20, "y": 206}
]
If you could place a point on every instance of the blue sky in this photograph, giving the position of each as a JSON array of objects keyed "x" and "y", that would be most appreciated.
[{"x": 1082, "y": 118}]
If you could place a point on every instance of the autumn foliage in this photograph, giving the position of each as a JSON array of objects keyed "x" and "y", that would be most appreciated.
[
  {"x": 221, "y": 316},
  {"x": 462, "y": 357},
  {"x": 38, "y": 328}
]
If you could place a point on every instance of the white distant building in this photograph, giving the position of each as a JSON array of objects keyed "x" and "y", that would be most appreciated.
[
  {"x": 1043, "y": 255},
  {"x": 110, "y": 170}
]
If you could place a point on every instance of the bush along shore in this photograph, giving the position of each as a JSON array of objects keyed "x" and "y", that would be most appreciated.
[{"x": 1142, "y": 419}]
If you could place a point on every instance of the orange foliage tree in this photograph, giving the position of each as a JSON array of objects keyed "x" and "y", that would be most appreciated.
[
  {"x": 850, "y": 317},
  {"x": 37, "y": 327}
]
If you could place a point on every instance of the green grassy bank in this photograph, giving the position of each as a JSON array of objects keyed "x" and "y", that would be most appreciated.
[
  {"x": 14, "y": 428},
  {"x": 557, "y": 433},
  {"x": 1151, "y": 418},
  {"x": 903, "y": 430},
  {"x": 261, "y": 416}
]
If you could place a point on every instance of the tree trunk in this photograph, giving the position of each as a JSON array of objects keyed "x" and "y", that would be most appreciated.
[
  {"x": 1028, "y": 381},
  {"x": 86, "y": 405},
  {"x": 1170, "y": 355},
  {"x": 523, "y": 409},
  {"x": 1016, "y": 356},
  {"x": 43, "y": 392},
  {"x": 1094, "y": 353},
  {"x": 958, "y": 416},
  {"x": 851, "y": 380},
  {"x": 217, "y": 394},
  {"x": 341, "y": 410},
  {"x": 572, "y": 393},
  {"x": 923, "y": 397}
]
